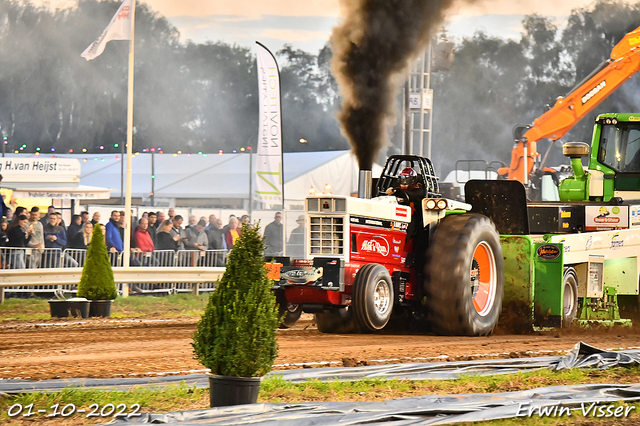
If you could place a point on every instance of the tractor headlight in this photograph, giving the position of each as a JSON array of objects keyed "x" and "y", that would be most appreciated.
[
  {"x": 431, "y": 204},
  {"x": 442, "y": 204}
]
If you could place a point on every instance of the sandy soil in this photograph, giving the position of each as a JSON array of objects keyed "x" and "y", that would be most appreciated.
[{"x": 124, "y": 348}]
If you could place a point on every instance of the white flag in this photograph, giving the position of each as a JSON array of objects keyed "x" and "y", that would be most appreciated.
[
  {"x": 119, "y": 29},
  {"x": 269, "y": 179}
]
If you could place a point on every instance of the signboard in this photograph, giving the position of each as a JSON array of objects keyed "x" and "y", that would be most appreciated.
[
  {"x": 63, "y": 194},
  {"x": 603, "y": 218},
  {"x": 39, "y": 170},
  {"x": 422, "y": 100}
]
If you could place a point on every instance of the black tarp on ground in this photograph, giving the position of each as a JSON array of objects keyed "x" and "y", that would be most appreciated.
[
  {"x": 424, "y": 410},
  {"x": 581, "y": 355}
]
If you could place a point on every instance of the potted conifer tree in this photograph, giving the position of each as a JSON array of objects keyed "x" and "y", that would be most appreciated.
[
  {"x": 236, "y": 336},
  {"x": 97, "y": 283}
]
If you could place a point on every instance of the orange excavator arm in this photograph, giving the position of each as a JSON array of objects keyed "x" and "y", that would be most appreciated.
[{"x": 567, "y": 111}]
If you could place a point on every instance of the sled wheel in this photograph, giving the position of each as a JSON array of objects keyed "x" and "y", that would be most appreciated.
[
  {"x": 337, "y": 320},
  {"x": 373, "y": 297},
  {"x": 288, "y": 313},
  {"x": 569, "y": 296},
  {"x": 464, "y": 276}
]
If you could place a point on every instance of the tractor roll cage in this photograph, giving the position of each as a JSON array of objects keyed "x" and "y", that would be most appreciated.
[{"x": 395, "y": 164}]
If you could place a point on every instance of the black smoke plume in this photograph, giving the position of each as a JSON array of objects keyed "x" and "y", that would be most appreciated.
[{"x": 372, "y": 46}]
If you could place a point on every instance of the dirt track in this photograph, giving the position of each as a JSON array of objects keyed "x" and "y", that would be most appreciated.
[{"x": 110, "y": 348}]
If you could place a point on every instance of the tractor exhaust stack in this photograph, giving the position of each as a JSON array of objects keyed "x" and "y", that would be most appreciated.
[{"x": 364, "y": 184}]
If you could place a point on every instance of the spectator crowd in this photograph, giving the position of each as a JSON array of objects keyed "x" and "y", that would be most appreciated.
[
  {"x": 154, "y": 237},
  {"x": 152, "y": 232}
]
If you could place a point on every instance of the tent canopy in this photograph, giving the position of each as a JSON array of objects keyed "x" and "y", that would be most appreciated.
[{"x": 210, "y": 176}]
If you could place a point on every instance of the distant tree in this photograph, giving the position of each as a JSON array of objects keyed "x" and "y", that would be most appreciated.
[{"x": 309, "y": 101}]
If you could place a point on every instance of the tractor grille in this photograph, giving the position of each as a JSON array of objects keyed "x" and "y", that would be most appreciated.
[{"x": 327, "y": 235}]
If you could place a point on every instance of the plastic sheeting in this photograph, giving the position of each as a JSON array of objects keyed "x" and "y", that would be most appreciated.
[
  {"x": 424, "y": 410},
  {"x": 581, "y": 355}
]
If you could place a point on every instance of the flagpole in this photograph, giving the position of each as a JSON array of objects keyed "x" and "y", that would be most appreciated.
[{"x": 127, "y": 203}]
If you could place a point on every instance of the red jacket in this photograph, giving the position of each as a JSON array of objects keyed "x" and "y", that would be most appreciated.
[{"x": 142, "y": 240}]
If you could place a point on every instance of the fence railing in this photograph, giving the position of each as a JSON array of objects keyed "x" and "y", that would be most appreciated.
[
  {"x": 64, "y": 280},
  {"x": 52, "y": 259},
  {"x": 31, "y": 258}
]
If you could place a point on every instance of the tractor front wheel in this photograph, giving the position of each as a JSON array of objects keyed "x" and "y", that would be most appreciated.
[
  {"x": 373, "y": 297},
  {"x": 569, "y": 296},
  {"x": 288, "y": 313},
  {"x": 464, "y": 276}
]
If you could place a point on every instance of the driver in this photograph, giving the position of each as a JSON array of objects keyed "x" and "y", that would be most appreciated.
[{"x": 410, "y": 192}]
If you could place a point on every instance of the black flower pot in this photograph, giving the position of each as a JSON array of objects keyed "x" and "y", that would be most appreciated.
[
  {"x": 79, "y": 308},
  {"x": 230, "y": 390},
  {"x": 100, "y": 308},
  {"x": 59, "y": 308}
]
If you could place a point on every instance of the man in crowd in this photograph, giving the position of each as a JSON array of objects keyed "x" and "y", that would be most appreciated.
[
  {"x": 274, "y": 237},
  {"x": 192, "y": 222},
  {"x": 3, "y": 205},
  {"x": 197, "y": 240},
  {"x": 215, "y": 235},
  {"x": 113, "y": 238},
  {"x": 160, "y": 218},
  {"x": 171, "y": 213},
  {"x": 151, "y": 218},
  {"x": 212, "y": 221},
  {"x": 74, "y": 227},
  {"x": 196, "y": 237},
  {"x": 95, "y": 219},
  {"x": 178, "y": 231},
  {"x": 45, "y": 220},
  {"x": 84, "y": 216},
  {"x": 144, "y": 245},
  {"x": 55, "y": 238},
  {"x": 37, "y": 237},
  {"x": 295, "y": 245}
]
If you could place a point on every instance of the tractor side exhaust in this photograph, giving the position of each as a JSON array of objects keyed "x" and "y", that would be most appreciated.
[{"x": 364, "y": 184}]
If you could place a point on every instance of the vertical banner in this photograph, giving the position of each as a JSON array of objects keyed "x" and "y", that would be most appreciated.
[{"x": 268, "y": 171}]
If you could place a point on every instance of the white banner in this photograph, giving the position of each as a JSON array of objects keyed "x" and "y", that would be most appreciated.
[
  {"x": 118, "y": 29},
  {"x": 39, "y": 169},
  {"x": 268, "y": 170}
]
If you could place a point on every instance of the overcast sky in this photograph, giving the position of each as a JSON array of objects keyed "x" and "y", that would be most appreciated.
[{"x": 307, "y": 24}]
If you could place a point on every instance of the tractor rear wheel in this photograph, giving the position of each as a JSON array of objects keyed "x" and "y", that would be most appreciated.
[
  {"x": 464, "y": 276},
  {"x": 373, "y": 297},
  {"x": 569, "y": 296},
  {"x": 337, "y": 320}
]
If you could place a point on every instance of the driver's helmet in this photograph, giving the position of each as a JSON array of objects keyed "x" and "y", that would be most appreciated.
[{"x": 408, "y": 177}]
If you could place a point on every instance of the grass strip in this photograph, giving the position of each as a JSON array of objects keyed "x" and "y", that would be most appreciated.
[
  {"x": 170, "y": 306},
  {"x": 276, "y": 389}
]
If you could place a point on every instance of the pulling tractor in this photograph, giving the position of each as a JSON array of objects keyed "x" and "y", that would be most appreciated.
[{"x": 463, "y": 266}]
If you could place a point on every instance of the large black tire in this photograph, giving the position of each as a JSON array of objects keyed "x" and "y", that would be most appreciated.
[
  {"x": 288, "y": 313},
  {"x": 464, "y": 276},
  {"x": 337, "y": 320},
  {"x": 569, "y": 296},
  {"x": 372, "y": 297}
]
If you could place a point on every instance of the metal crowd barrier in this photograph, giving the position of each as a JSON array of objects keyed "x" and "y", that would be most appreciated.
[{"x": 19, "y": 258}]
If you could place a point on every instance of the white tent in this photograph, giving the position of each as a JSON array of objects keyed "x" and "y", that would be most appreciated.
[{"x": 214, "y": 180}]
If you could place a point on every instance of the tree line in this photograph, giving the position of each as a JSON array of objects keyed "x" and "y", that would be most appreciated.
[{"x": 204, "y": 96}]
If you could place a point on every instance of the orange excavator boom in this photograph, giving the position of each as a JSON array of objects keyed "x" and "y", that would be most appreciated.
[{"x": 569, "y": 110}]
